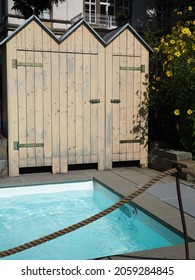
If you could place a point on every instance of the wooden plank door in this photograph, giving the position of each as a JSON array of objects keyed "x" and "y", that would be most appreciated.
[
  {"x": 30, "y": 108},
  {"x": 82, "y": 90},
  {"x": 125, "y": 107}
]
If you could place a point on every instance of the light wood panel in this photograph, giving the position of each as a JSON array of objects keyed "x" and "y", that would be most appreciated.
[{"x": 50, "y": 99}]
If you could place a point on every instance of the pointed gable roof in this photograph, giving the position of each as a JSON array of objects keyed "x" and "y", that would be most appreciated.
[
  {"x": 47, "y": 30},
  {"x": 26, "y": 23},
  {"x": 77, "y": 25},
  {"x": 106, "y": 40},
  {"x": 117, "y": 31}
]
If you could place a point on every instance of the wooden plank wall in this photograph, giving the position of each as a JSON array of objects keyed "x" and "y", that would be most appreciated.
[{"x": 49, "y": 102}]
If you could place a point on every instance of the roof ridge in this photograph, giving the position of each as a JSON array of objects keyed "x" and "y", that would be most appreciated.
[{"x": 106, "y": 40}]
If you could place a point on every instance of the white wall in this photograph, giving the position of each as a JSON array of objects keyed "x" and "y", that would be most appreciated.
[
  {"x": 63, "y": 11},
  {"x": 12, "y": 12},
  {"x": 67, "y": 10}
]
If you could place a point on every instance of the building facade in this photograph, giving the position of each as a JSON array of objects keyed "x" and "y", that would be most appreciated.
[
  {"x": 98, "y": 13},
  {"x": 101, "y": 14}
]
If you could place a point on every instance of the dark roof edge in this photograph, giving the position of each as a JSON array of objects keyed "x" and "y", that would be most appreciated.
[
  {"x": 23, "y": 25},
  {"x": 119, "y": 30},
  {"x": 77, "y": 25},
  {"x": 104, "y": 41}
]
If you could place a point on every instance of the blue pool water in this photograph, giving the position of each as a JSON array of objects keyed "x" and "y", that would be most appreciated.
[{"x": 28, "y": 213}]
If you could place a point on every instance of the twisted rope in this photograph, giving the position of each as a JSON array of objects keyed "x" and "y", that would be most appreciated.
[{"x": 83, "y": 223}]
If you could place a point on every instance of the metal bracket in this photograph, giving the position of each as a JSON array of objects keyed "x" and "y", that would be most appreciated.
[
  {"x": 15, "y": 64},
  {"x": 17, "y": 146},
  {"x": 132, "y": 141},
  {"x": 133, "y": 68},
  {"x": 94, "y": 101}
]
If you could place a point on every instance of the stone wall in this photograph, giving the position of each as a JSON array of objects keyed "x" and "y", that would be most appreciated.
[{"x": 164, "y": 159}]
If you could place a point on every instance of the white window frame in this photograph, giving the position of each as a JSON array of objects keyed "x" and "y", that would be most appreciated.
[
  {"x": 124, "y": 8},
  {"x": 91, "y": 16},
  {"x": 108, "y": 4}
]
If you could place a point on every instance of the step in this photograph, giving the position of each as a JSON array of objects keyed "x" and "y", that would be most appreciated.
[{"x": 162, "y": 160}]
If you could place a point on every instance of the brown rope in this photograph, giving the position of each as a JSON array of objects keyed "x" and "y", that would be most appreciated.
[{"x": 83, "y": 223}]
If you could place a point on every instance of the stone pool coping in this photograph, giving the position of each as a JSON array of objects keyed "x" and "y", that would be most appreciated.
[{"x": 124, "y": 181}]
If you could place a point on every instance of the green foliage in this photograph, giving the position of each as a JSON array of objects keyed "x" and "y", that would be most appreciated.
[
  {"x": 33, "y": 7},
  {"x": 172, "y": 85}
]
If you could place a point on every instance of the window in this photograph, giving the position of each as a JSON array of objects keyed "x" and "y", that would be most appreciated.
[
  {"x": 107, "y": 7},
  {"x": 45, "y": 14},
  {"x": 90, "y": 11},
  {"x": 124, "y": 6}
]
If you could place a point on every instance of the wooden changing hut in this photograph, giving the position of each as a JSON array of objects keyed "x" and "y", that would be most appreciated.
[{"x": 75, "y": 99}]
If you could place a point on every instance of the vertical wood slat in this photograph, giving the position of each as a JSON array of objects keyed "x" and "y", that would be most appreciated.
[
  {"x": 101, "y": 108},
  {"x": 123, "y": 110},
  {"x": 116, "y": 108},
  {"x": 12, "y": 99},
  {"x": 79, "y": 107},
  {"x": 21, "y": 40},
  {"x": 86, "y": 109},
  {"x": 22, "y": 112},
  {"x": 21, "y": 77},
  {"x": 129, "y": 94},
  {"x": 71, "y": 99},
  {"x": 94, "y": 95},
  {"x": 130, "y": 44},
  {"x": 47, "y": 114},
  {"x": 30, "y": 94},
  {"x": 86, "y": 96},
  {"x": 38, "y": 75},
  {"x": 47, "y": 93},
  {"x": 123, "y": 97},
  {"x": 137, "y": 94},
  {"x": 78, "y": 43},
  {"x": 55, "y": 109},
  {"x": 94, "y": 110},
  {"x": 30, "y": 108},
  {"x": 39, "y": 137},
  {"x": 130, "y": 108},
  {"x": 71, "y": 109},
  {"x": 144, "y": 80},
  {"x": 116, "y": 46},
  {"x": 63, "y": 114},
  {"x": 109, "y": 107}
]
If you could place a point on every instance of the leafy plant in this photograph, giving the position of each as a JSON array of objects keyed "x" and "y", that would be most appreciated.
[
  {"x": 172, "y": 84},
  {"x": 33, "y": 7}
]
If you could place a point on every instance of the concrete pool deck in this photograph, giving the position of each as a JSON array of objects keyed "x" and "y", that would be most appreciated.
[{"x": 160, "y": 200}]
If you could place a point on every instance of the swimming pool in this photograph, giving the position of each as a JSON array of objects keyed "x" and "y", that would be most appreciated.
[{"x": 30, "y": 212}]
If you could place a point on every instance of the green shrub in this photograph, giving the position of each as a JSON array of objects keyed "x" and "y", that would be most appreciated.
[{"x": 172, "y": 87}]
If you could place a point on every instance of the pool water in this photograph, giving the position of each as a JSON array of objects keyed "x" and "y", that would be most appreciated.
[{"x": 28, "y": 213}]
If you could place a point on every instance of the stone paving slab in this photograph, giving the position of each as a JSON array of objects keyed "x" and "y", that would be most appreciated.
[
  {"x": 165, "y": 253},
  {"x": 168, "y": 193}
]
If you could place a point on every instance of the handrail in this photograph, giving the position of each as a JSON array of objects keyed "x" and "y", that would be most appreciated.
[{"x": 100, "y": 20}]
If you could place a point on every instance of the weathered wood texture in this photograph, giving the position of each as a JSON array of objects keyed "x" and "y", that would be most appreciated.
[{"x": 75, "y": 100}]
